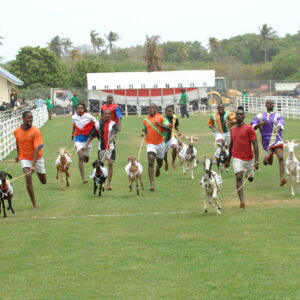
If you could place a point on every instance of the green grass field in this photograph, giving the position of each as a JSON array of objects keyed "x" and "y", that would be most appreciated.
[{"x": 157, "y": 246}]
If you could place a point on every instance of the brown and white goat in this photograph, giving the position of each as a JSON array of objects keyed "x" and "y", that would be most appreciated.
[
  {"x": 134, "y": 171},
  {"x": 62, "y": 164},
  {"x": 292, "y": 165},
  {"x": 188, "y": 156},
  {"x": 211, "y": 183},
  {"x": 6, "y": 192}
]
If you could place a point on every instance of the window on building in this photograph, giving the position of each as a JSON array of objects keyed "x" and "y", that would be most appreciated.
[
  {"x": 143, "y": 86},
  {"x": 94, "y": 87},
  {"x": 180, "y": 85},
  {"x": 167, "y": 85},
  {"x": 192, "y": 85},
  {"x": 106, "y": 87},
  {"x": 131, "y": 86},
  {"x": 118, "y": 86}
]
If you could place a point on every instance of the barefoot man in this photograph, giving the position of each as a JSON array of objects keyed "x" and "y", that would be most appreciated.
[
  {"x": 29, "y": 153},
  {"x": 155, "y": 125},
  {"x": 106, "y": 131},
  {"x": 170, "y": 140},
  {"x": 271, "y": 126},
  {"x": 242, "y": 137}
]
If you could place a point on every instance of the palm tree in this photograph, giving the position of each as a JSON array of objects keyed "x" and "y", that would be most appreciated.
[
  {"x": 67, "y": 44},
  {"x": 154, "y": 53},
  {"x": 1, "y": 38},
  {"x": 214, "y": 46},
  {"x": 99, "y": 43},
  {"x": 267, "y": 34},
  {"x": 55, "y": 45},
  {"x": 111, "y": 38},
  {"x": 94, "y": 36},
  {"x": 75, "y": 54}
]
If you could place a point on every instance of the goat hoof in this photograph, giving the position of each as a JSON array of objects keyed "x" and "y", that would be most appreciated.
[
  {"x": 206, "y": 211},
  {"x": 12, "y": 211}
]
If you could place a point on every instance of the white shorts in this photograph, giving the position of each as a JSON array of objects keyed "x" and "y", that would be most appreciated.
[
  {"x": 240, "y": 165},
  {"x": 39, "y": 167},
  {"x": 159, "y": 149},
  {"x": 172, "y": 141},
  {"x": 80, "y": 145},
  {"x": 109, "y": 154},
  {"x": 223, "y": 136}
]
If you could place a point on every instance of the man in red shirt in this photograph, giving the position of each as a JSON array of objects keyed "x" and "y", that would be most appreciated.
[
  {"x": 116, "y": 114},
  {"x": 242, "y": 138},
  {"x": 155, "y": 125}
]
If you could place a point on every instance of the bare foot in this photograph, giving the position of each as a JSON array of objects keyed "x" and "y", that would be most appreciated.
[
  {"x": 84, "y": 181},
  {"x": 152, "y": 188},
  {"x": 242, "y": 205},
  {"x": 108, "y": 188},
  {"x": 283, "y": 182},
  {"x": 174, "y": 167},
  {"x": 34, "y": 208},
  {"x": 166, "y": 167}
]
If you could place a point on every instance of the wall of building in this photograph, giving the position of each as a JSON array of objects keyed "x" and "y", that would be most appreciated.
[{"x": 5, "y": 90}]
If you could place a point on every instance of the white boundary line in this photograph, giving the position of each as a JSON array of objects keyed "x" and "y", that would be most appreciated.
[{"x": 156, "y": 213}]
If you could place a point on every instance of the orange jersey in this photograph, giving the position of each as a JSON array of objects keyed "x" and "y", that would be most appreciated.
[
  {"x": 153, "y": 136},
  {"x": 27, "y": 141}
]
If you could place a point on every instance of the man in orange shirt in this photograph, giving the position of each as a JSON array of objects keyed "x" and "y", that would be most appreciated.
[
  {"x": 155, "y": 125},
  {"x": 29, "y": 149}
]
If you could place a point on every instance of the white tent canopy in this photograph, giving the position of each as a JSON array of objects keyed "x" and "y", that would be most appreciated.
[{"x": 149, "y": 80}]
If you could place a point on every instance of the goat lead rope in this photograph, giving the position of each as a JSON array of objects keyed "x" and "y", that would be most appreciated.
[
  {"x": 138, "y": 158},
  {"x": 21, "y": 176},
  {"x": 237, "y": 190}
]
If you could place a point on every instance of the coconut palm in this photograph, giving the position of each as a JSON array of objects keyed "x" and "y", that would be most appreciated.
[
  {"x": 99, "y": 43},
  {"x": 111, "y": 38},
  {"x": 55, "y": 45},
  {"x": 66, "y": 44},
  {"x": 94, "y": 36},
  {"x": 267, "y": 35},
  {"x": 75, "y": 54},
  {"x": 154, "y": 53},
  {"x": 1, "y": 38},
  {"x": 214, "y": 46}
]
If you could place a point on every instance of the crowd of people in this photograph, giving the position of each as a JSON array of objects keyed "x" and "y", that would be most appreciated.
[{"x": 161, "y": 133}]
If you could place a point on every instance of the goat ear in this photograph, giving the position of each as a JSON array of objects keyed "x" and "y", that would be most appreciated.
[
  {"x": 196, "y": 139},
  {"x": 10, "y": 177},
  {"x": 128, "y": 158},
  {"x": 187, "y": 137}
]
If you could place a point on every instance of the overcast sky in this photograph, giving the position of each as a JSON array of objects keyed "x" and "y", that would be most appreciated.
[{"x": 35, "y": 22}]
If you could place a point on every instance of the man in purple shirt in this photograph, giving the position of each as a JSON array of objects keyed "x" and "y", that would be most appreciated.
[{"x": 271, "y": 126}]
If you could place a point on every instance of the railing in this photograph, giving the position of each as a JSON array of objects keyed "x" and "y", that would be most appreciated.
[
  {"x": 7, "y": 127},
  {"x": 287, "y": 106}
]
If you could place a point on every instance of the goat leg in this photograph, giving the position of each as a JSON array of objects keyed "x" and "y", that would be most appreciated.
[
  {"x": 9, "y": 203},
  {"x": 141, "y": 182},
  {"x": 3, "y": 206},
  {"x": 95, "y": 187},
  {"x": 67, "y": 178},
  {"x": 100, "y": 189}
]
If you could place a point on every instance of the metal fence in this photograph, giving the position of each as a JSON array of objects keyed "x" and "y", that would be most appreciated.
[
  {"x": 289, "y": 107},
  {"x": 7, "y": 127}
]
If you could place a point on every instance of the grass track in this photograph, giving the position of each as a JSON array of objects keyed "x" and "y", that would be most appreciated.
[{"x": 251, "y": 254}]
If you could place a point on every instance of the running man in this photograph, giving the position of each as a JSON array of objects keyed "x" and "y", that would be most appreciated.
[
  {"x": 242, "y": 137},
  {"x": 155, "y": 125},
  {"x": 170, "y": 140},
  {"x": 74, "y": 102},
  {"x": 29, "y": 152},
  {"x": 220, "y": 124},
  {"x": 271, "y": 126},
  {"x": 116, "y": 114},
  {"x": 105, "y": 130},
  {"x": 83, "y": 123}
]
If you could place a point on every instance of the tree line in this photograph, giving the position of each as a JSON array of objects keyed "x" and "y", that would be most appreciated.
[{"x": 261, "y": 55}]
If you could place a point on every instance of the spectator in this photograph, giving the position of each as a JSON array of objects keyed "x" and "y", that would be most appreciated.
[
  {"x": 245, "y": 96},
  {"x": 183, "y": 104},
  {"x": 74, "y": 100},
  {"x": 38, "y": 102},
  {"x": 3, "y": 107},
  {"x": 49, "y": 103}
]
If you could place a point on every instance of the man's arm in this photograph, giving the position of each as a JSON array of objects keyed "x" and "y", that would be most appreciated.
[
  {"x": 17, "y": 147},
  {"x": 93, "y": 133},
  {"x": 73, "y": 130},
  {"x": 119, "y": 116},
  {"x": 211, "y": 124},
  {"x": 227, "y": 163},
  {"x": 256, "y": 154}
]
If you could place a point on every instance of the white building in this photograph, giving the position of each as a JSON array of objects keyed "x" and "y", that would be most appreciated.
[{"x": 8, "y": 83}]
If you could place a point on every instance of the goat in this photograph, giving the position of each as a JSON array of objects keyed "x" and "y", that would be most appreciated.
[
  {"x": 211, "y": 182},
  {"x": 188, "y": 156},
  {"x": 62, "y": 164},
  {"x": 292, "y": 165},
  {"x": 134, "y": 171},
  {"x": 221, "y": 156},
  {"x": 99, "y": 176},
  {"x": 6, "y": 192}
]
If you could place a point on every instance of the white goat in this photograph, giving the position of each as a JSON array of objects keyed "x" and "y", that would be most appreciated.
[
  {"x": 211, "y": 183},
  {"x": 187, "y": 156},
  {"x": 292, "y": 165}
]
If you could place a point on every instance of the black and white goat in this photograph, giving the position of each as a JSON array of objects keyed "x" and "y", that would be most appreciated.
[
  {"x": 292, "y": 165},
  {"x": 221, "y": 156},
  {"x": 187, "y": 156},
  {"x": 6, "y": 192},
  {"x": 99, "y": 176},
  {"x": 211, "y": 183}
]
